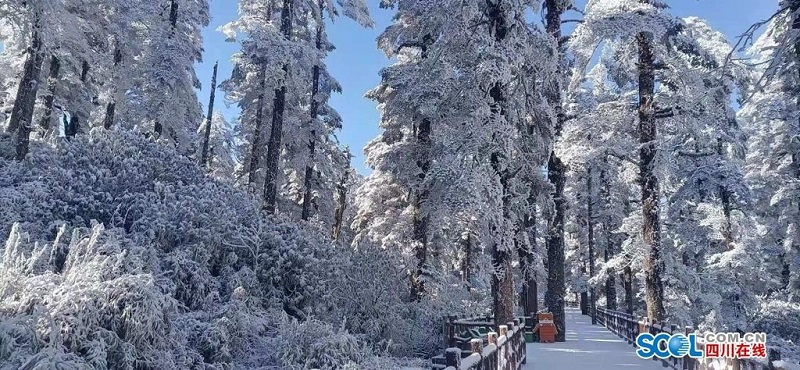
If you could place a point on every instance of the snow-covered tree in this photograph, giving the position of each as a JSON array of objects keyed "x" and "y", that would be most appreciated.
[
  {"x": 222, "y": 155},
  {"x": 769, "y": 115},
  {"x": 280, "y": 76},
  {"x": 457, "y": 128},
  {"x": 164, "y": 103}
]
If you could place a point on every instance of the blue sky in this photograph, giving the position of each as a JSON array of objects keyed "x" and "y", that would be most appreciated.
[{"x": 356, "y": 60}]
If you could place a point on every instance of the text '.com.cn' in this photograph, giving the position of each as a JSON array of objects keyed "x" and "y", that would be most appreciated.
[{"x": 702, "y": 345}]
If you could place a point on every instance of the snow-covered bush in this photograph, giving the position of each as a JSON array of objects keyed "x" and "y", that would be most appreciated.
[
  {"x": 167, "y": 268},
  {"x": 371, "y": 297},
  {"x": 314, "y": 344},
  {"x": 99, "y": 302}
]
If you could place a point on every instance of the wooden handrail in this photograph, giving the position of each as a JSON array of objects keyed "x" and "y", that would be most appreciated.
[
  {"x": 501, "y": 350},
  {"x": 628, "y": 327}
]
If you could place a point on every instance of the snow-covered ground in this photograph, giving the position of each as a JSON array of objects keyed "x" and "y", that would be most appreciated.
[{"x": 588, "y": 347}]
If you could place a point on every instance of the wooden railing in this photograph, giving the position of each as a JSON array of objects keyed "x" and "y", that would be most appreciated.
[
  {"x": 501, "y": 350},
  {"x": 628, "y": 327}
]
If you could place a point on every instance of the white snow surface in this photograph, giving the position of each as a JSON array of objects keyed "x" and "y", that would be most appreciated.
[{"x": 587, "y": 347}]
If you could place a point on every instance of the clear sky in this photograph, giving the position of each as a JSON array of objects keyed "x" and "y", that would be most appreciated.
[{"x": 356, "y": 60}]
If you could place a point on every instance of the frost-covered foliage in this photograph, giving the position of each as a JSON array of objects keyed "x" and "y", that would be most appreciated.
[
  {"x": 465, "y": 132},
  {"x": 115, "y": 61},
  {"x": 770, "y": 116},
  {"x": 166, "y": 268},
  {"x": 222, "y": 149},
  {"x": 726, "y": 182},
  {"x": 163, "y": 101},
  {"x": 89, "y": 302},
  {"x": 280, "y": 78}
]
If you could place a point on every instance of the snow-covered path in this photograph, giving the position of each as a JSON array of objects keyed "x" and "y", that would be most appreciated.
[{"x": 588, "y": 347}]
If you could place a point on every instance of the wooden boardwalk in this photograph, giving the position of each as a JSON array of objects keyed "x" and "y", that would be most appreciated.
[{"x": 588, "y": 347}]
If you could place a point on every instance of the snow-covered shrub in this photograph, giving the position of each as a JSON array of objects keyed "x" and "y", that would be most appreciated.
[
  {"x": 314, "y": 344},
  {"x": 371, "y": 297},
  {"x": 167, "y": 268},
  {"x": 99, "y": 301}
]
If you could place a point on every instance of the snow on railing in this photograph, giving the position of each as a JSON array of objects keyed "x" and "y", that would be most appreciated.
[
  {"x": 504, "y": 350},
  {"x": 628, "y": 327}
]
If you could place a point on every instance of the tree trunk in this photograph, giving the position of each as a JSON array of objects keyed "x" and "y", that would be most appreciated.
[
  {"x": 584, "y": 303},
  {"x": 111, "y": 107},
  {"x": 502, "y": 278},
  {"x": 341, "y": 205},
  {"x": 795, "y": 8},
  {"x": 466, "y": 264},
  {"x": 590, "y": 238},
  {"x": 554, "y": 297},
  {"x": 255, "y": 150},
  {"x": 204, "y": 159},
  {"x": 727, "y": 207},
  {"x": 527, "y": 253},
  {"x": 420, "y": 218},
  {"x": 52, "y": 82},
  {"x": 74, "y": 125},
  {"x": 278, "y": 108},
  {"x": 25, "y": 102},
  {"x": 611, "y": 282},
  {"x": 651, "y": 225},
  {"x": 610, "y": 249},
  {"x": 173, "y": 14},
  {"x": 313, "y": 113},
  {"x": 627, "y": 284}
]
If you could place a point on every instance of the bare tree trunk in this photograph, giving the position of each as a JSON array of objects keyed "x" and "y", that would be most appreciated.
[
  {"x": 554, "y": 297},
  {"x": 590, "y": 237},
  {"x": 502, "y": 277},
  {"x": 651, "y": 225},
  {"x": 22, "y": 112},
  {"x": 52, "y": 82},
  {"x": 278, "y": 108},
  {"x": 255, "y": 149},
  {"x": 204, "y": 159}
]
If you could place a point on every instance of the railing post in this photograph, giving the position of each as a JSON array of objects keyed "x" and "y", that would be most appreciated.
[
  {"x": 475, "y": 345},
  {"x": 452, "y": 357},
  {"x": 448, "y": 331},
  {"x": 492, "y": 362}
]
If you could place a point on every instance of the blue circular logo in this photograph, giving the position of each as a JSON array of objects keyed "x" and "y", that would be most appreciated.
[{"x": 678, "y": 345}]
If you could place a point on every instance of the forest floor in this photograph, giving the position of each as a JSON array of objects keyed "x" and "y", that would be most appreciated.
[{"x": 588, "y": 347}]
